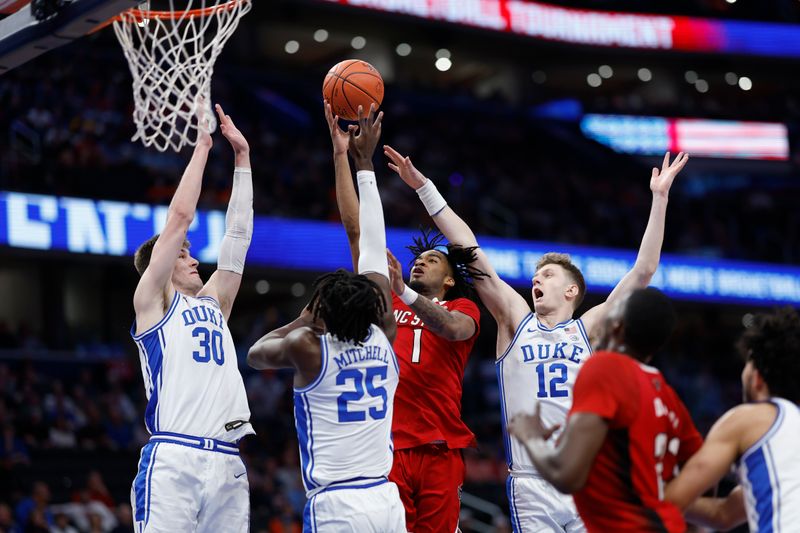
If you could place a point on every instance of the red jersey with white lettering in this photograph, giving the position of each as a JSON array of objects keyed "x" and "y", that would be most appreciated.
[
  {"x": 650, "y": 432},
  {"x": 427, "y": 404}
]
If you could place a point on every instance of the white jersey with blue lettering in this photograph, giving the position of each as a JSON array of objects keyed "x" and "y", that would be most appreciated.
[
  {"x": 191, "y": 373},
  {"x": 344, "y": 417},
  {"x": 769, "y": 472},
  {"x": 540, "y": 365}
]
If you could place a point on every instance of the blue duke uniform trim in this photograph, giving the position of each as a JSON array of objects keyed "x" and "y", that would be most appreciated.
[
  {"x": 769, "y": 472},
  {"x": 539, "y": 364},
  {"x": 344, "y": 427}
]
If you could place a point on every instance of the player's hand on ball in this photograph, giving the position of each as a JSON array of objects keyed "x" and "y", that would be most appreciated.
[
  {"x": 231, "y": 132},
  {"x": 661, "y": 181},
  {"x": 362, "y": 144},
  {"x": 339, "y": 137},
  {"x": 395, "y": 273},
  {"x": 527, "y": 427},
  {"x": 404, "y": 167}
]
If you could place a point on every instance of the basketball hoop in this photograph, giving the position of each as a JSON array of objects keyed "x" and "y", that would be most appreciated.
[{"x": 171, "y": 55}]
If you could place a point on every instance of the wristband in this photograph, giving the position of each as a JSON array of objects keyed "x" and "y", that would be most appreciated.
[
  {"x": 409, "y": 295},
  {"x": 431, "y": 198}
]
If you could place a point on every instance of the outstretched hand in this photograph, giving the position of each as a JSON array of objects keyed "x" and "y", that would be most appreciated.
[
  {"x": 661, "y": 181},
  {"x": 362, "y": 145},
  {"x": 231, "y": 132},
  {"x": 404, "y": 167},
  {"x": 339, "y": 137},
  {"x": 527, "y": 427},
  {"x": 395, "y": 273}
]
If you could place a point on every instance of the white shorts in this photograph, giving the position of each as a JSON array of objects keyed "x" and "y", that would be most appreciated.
[
  {"x": 537, "y": 506},
  {"x": 183, "y": 488},
  {"x": 364, "y": 507}
]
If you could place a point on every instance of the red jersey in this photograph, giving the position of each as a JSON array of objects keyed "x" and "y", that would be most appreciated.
[
  {"x": 427, "y": 404},
  {"x": 650, "y": 432}
]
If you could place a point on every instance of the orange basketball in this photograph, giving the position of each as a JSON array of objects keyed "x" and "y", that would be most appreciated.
[{"x": 350, "y": 84}]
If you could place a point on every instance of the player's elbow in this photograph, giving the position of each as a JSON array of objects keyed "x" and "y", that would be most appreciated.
[{"x": 568, "y": 483}]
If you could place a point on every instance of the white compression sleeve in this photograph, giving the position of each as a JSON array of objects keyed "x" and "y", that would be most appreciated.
[
  {"x": 372, "y": 241},
  {"x": 238, "y": 223}
]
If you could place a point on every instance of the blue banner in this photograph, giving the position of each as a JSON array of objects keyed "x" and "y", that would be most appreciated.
[{"x": 114, "y": 228}]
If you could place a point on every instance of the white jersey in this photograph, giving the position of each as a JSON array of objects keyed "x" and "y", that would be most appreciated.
[
  {"x": 344, "y": 417},
  {"x": 541, "y": 365},
  {"x": 769, "y": 472},
  {"x": 191, "y": 373}
]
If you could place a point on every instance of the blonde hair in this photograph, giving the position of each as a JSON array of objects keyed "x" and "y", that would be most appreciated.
[{"x": 565, "y": 262}]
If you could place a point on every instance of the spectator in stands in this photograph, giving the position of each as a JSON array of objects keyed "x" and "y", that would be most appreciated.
[
  {"x": 34, "y": 511},
  {"x": 7, "y": 524}
]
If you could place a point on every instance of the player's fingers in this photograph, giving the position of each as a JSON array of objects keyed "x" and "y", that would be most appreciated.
[
  {"x": 394, "y": 167},
  {"x": 378, "y": 120},
  {"x": 392, "y": 154},
  {"x": 665, "y": 163},
  {"x": 655, "y": 173},
  {"x": 362, "y": 120}
]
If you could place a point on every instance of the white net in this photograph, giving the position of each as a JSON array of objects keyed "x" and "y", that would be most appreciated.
[{"x": 171, "y": 54}]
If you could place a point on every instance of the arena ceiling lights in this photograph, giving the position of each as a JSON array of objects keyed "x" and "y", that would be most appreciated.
[{"x": 603, "y": 28}]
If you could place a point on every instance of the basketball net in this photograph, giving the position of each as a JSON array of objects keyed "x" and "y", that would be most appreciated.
[{"x": 171, "y": 56}]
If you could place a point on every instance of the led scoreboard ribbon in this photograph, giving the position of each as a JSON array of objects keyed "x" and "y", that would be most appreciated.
[
  {"x": 101, "y": 227},
  {"x": 603, "y": 28}
]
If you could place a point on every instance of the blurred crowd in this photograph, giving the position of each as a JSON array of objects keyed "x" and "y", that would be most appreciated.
[{"x": 65, "y": 128}]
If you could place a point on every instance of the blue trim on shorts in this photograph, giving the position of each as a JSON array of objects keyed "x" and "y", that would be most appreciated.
[
  {"x": 310, "y": 516},
  {"x": 200, "y": 443},
  {"x": 141, "y": 481},
  {"x": 516, "y": 526},
  {"x": 348, "y": 484}
]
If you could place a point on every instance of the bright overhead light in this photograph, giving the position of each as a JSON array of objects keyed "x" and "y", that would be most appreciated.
[
  {"x": 291, "y": 47},
  {"x": 358, "y": 42},
  {"x": 701, "y": 86},
  {"x": 321, "y": 35},
  {"x": 298, "y": 289},
  {"x": 644, "y": 74},
  {"x": 403, "y": 49},
  {"x": 731, "y": 1},
  {"x": 262, "y": 286},
  {"x": 605, "y": 71},
  {"x": 594, "y": 80},
  {"x": 731, "y": 78},
  {"x": 691, "y": 76},
  {"x": 745, "y": 83},
  {"x": 443, "y": 64},
  {"x": 539, "y": 77},
  {"x": 442, "y": 52}
]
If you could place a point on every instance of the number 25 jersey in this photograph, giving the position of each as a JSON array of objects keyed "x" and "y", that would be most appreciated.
[{"x": 191, "y": 373}]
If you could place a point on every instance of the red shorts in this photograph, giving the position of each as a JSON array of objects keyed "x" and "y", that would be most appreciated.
[{"x": 429, "y": 479}]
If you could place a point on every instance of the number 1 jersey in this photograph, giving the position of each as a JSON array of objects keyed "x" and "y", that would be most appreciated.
[
  {"x": 191, "y": 373},
  {"x": 428, "y": 403}
]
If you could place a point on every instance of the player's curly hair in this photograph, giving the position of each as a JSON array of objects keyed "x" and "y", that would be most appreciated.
[
  {"x": 458, "y": 257},
  {"x": 772, "y": 342},
  {"x": 348, "y": 303}
]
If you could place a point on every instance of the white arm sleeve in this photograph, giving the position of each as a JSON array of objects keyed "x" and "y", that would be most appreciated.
[
  {"x": 238, "y": 223},
  {"x": 372, "y": 241}
]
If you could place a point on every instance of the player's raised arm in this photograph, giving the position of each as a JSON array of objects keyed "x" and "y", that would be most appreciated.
[
  {"x": 650, "y": 249},
  {"x": 346, "y": 198},
  {"x": 224, "y": 283},
  {"x": 704, "y": 470},
  {"x": 154, "y": 289},
  {"x": 281, "y": 347},
  {"x": 372, "y": 260},
  {"x": 504, "y": 303}
]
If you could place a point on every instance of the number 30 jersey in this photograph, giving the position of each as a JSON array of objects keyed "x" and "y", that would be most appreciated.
[
  {"x": 344, "y": 417},
  {"x": 191, "y": 373},
  {"x": 539, "y": 365}
]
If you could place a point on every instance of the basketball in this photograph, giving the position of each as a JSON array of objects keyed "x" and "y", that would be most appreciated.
[{"x": 352, "y": 83}]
